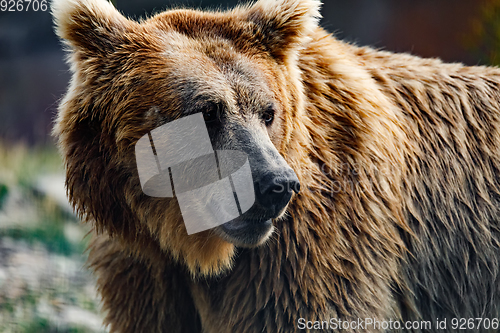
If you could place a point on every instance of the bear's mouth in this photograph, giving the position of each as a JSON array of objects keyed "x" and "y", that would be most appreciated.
[
  {"x": 246, "y": 233},
  {"x": 248, "y": 230}
]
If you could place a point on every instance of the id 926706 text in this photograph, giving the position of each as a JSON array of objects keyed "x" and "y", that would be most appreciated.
[{"x": 24, "y": 5}]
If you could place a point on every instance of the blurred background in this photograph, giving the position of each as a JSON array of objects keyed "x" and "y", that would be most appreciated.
[{"x": 44, "y": 286}]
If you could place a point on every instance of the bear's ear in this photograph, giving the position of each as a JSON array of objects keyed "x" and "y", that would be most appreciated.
[
  {"x": 285, "y": 25},
  {"x": 93, "y": 26}
]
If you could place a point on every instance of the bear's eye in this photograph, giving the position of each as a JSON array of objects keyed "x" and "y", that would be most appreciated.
[
  {"x": 210, "y": 113},
  {"x": 268, "y": 116}
]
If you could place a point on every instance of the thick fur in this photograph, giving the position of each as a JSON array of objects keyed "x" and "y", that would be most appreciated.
[{"x": 398, "y": 157}]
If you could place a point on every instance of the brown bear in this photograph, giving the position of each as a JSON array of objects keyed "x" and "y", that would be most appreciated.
[{"x": 396, "y": 223}]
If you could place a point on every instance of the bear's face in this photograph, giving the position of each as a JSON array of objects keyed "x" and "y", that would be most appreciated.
[
  {"x": 238, "y": 69},
  {"x": 242, "y": 106}
]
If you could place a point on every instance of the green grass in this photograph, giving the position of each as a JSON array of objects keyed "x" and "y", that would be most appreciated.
[
  {"x": 43, "y": 325},
  {"x": 48, "y": 229},
  {"x": 52, "y": 238},
  {"x": 37, "y": 325},
  {"x": 4, "y": 191},
  {"x": 20, "y": 165},
  {"x": 20, "y": 168}
]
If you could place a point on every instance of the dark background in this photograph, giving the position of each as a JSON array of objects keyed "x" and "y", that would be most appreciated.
[{"x": 33, "y": 74}]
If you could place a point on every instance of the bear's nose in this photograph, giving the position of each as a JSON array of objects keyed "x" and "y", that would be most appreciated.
[{"x": 274, "y": 190}]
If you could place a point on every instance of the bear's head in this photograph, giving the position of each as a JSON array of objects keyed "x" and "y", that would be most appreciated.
[{"x": 238, "y": 68}]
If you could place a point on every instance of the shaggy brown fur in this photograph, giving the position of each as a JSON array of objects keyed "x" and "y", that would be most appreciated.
[{"x": 398, "y": 215}]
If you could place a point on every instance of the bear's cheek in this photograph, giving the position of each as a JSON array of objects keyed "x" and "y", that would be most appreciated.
[{"x": 162, "y": 218}]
